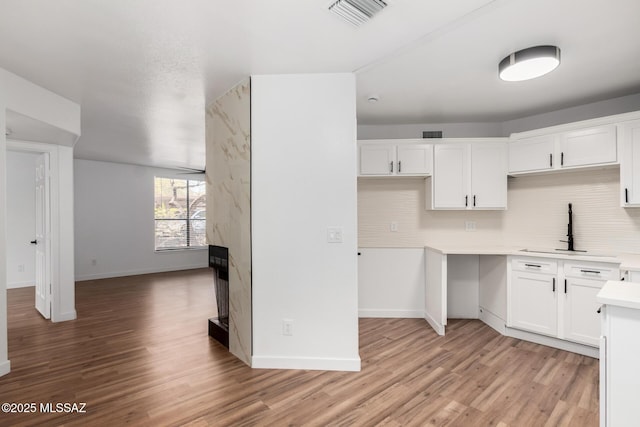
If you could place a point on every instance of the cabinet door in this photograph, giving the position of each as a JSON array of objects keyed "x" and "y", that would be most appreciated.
[
  {"x": 532, "y": 154},
  {"x": 590, "y": 146},
  {"x": 451, "y": 176},
  {"x": 630, "y": 164},
  {"x": 377, "y": 159},
  {"x": 533, "y": 303},
  {"x": 415, "y": 159},
  {"x": 581, "y": 318},
  {"x": 489, "y": 175}
]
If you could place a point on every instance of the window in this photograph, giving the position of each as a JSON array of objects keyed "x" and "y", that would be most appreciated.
[{"x": 180, "y": 212}]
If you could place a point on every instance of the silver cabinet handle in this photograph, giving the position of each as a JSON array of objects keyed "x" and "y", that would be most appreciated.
[
  {"x": 533, "y": 265},
  {"x": 391, "y": 165},
  {"x": 591, "y": 271},
  {"x": 399, "y": 166}
]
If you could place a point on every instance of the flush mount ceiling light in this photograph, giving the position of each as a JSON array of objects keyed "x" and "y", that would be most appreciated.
[
  {"x": 529, "y": 63},
  {"x": 357, "y": 12}
]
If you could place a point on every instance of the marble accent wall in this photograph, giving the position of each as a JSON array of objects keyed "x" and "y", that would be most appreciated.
[{"x": 228, "y": 148}]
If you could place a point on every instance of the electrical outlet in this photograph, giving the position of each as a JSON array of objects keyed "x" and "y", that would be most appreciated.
[
  {"x": 470, "y": 226},
  {"x": 287, "y": 327},
  {"x": 94, "y": 262},
  {"x": 394, "y": 226},
  {"x": 20, "y": 268}
]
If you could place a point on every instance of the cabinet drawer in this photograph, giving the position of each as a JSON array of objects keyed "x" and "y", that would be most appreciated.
[
  {"x": 592, "y": 271},
  {"x": 535, "y": 265}
]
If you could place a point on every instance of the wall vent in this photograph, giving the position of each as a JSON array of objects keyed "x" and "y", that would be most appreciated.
[
  {"x": 432, "y": 134},
  {"x": 357, "y": 12}
]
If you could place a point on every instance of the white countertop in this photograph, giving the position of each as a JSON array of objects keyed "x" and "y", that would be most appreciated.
[
  {"x": 622, "y": 294},
  {"x": 626, "y": 261}
]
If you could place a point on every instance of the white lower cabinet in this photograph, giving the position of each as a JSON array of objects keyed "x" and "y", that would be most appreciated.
[
  {"x": 534, "y": 303},
  {"x": 581, "y": 318},
  {"x": 557, "y": 298}
]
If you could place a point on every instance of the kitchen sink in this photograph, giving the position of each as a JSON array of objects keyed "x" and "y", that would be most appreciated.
[{"x": 565, "y": 252}]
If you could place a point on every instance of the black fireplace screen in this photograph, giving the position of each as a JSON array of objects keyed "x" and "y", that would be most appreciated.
[{"x": 219, "y": 261}]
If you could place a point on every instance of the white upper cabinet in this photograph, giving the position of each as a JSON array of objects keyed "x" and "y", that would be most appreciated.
[
  {"x": 469, "y": 175},
  {"x": 377, "y": 159},
  {"x": 451, "y": 176},
  {"x": 630, "y": 164},
  {"x": 590, "y": 146},
  {"x": 489, "y": 175},
  {"x": 532, "y": 154},
  {"x": 415, "y": 159},
  {"x": 395, "y": 158}
]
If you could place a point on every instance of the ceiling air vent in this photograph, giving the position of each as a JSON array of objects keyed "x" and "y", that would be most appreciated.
[
  {"x": 432, "y": 134},
  {"x": 357, "y": 12}
]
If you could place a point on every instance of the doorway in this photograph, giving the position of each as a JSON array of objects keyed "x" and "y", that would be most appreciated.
[{"x": 29, "y": 220}]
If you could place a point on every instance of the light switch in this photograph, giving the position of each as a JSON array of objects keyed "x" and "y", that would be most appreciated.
[
  {"x": 334, "y": 234},
  {"x": 394, "y": 226}
]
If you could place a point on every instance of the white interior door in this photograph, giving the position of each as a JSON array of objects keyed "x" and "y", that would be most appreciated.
[{"x": 42, "y": 240}]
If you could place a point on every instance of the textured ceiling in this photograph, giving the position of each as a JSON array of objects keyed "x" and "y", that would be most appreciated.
[{"x": 144, "y": 70}]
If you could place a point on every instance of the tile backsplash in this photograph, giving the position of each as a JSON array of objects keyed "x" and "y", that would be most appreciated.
[{"x": 536, "y": 214}]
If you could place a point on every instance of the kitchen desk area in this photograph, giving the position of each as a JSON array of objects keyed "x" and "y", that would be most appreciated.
[{"x": 541, "y": 296}]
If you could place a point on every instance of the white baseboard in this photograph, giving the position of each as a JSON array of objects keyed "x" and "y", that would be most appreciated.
[
  {"x": 435, "y": 325},
  {"x": 402, "y": 314},
  {"x": 16, "y": 285},
  {"x": 554, "y": 342},
  {"x": 109, "y": 275},
  {"x": 493, "y": 321},
  {"x": 5, "y": 367},
  {"x": 307, "y": 363},
  {"x": 63, "y": 317}
]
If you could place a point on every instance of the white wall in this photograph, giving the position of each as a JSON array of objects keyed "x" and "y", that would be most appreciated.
[
  {"x": 609, "y": 107},
  {"x": 303, "y": 181},
  {"x": 5, "y": 365},
  {"x": 391, "y": 282},
  {"x": 21, "y": 219},
  {"x": 623, "y": 104},
  {"x": 20, "y": 96},
  {"x": 449, "y": 130},
  {"x": 114, "y": 222}
]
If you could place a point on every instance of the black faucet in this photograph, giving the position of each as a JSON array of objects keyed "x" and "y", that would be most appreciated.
[{"x": 569, "y": 240}]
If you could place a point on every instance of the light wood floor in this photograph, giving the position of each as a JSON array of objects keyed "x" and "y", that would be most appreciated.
[{"x": 139, "y": 355}]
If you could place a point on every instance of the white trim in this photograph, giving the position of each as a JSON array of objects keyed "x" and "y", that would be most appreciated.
[
  {"x": 16, "y": 285},
  {"x": 309, "y": 363},
  {"x": 400, "y": 314},
  {"x": 5, "y": 367},
  {"x": 185, "y": 249},
  {"x": 554, "y": 342},
  {"x": 139, "y": 272},
  {"x": 63, "y": 317},
  {"x": 490, "y": 319},
  {"x": 435, "y": 325}
]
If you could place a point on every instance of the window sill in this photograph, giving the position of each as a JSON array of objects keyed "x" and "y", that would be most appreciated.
[{"x": 173, "y": 250}]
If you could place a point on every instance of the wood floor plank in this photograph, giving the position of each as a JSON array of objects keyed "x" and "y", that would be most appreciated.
[{"x": 139, "y": 355}]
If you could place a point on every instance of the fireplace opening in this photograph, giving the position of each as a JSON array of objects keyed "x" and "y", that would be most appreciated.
[{"x": 219, "y": 261}]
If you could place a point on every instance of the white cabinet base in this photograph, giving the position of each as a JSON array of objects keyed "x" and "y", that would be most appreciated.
[{"x": 553, "y": 342}]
